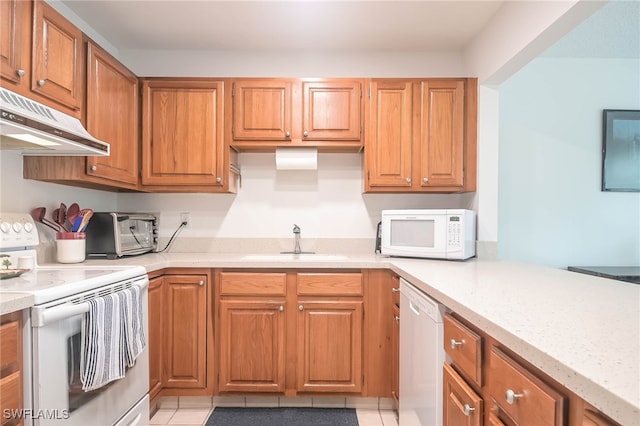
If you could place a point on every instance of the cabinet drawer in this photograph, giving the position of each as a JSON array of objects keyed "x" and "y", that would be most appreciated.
[
  {"x": 464, "y": 346},
  {"x": 10, "y": 394},
  {"x": 319, "y": 284},
  {"x": 9, "y": 343},
  {"x": 246, "y": 283},
  {"x": 524, "y": 397}
]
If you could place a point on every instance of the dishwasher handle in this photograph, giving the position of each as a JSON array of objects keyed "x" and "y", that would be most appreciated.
[{"x": 420, "y": 303}]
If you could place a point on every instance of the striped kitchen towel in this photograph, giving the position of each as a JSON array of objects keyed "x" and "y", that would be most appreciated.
[
  {"x": 133, "y": 323},
  {"x": 112, "y": 337},
  {"x": 102, "y": 350}
]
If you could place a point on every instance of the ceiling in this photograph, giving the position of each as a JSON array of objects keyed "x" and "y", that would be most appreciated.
[{"x": 325, "y": 25}]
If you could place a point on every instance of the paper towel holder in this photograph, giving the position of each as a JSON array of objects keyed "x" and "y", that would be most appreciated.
[{"x": 296, "y": 158}]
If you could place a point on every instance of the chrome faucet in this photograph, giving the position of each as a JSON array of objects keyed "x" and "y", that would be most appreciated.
[
  {"x": 296, "y": 249},
  {"x": 296, "y": 235}
]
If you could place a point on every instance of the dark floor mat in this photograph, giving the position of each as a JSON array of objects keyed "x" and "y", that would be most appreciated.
[{"x": 232, "y": 416}]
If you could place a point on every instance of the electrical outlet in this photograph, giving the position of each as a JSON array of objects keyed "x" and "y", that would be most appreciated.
[{"x": 185, "y": 217}]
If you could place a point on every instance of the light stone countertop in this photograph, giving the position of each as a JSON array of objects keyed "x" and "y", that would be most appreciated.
[{"x": 581, "y": 330}]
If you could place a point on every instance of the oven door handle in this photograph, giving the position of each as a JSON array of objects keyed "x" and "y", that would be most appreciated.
[
  {"x": 46, "y": 316},
  {"x": 41, "y": 316}
]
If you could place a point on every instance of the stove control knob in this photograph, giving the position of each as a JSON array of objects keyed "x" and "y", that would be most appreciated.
[
  {"x": 28, "y": 226},
  {"x": 17, "y": 226},
  {"x": 5, "y": 227}
]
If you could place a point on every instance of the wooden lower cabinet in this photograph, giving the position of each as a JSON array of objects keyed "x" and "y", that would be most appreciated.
[
  {"x": 330, "y": 346},
  {"x": 156, "y": 333},
  {"x": 11, "y": 375},
  {"x": 395, "y": 357},
  {"x": 181, "y": 333},
  {"x": 461, "y": 405},
  {"x": 252, "y": 346},
  {"x": 289, "y": 332}
]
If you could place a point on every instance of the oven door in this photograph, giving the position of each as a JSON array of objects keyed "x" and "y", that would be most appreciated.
[{"x": 58, "y": 398}]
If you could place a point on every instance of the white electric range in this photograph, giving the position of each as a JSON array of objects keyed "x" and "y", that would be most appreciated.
[{"x": 53, "y": 393}]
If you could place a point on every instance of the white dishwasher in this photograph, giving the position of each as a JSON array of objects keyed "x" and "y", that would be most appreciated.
[{"x": 421, "y": 358}]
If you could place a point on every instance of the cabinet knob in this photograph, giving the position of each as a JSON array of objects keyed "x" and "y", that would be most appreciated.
[
  {"x": 201, "y": 283},
  {"x": 41, "y": 83},
  {"x": 468, "y": 410},
  {"x": 300, "y": 308},
  {"x": 287, "y": 134},
  {"x": 511, "y": 396},
  {"x": 305, "y": 133},
  {"x": 395, "y": 290},
  {"x": 94, "y": 168},
  {"x": 21, "y": 73},
  {"x": 408, "y": 180},
  {"x": 281, "y": 308},
  {"x": 396, "y": 318},
  {"x": 218, "y": 179},
  {"x": 455, "y": 344},
  {"x": 425, "y": 179}
]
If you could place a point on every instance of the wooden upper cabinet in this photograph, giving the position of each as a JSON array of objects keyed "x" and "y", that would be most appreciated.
[
  {"x": 389, "y": 134},
  {"x": 57, "y": 57},
  {"x": 15, "y": 43},
  {"x": 331, "y": 111},
  {"x": 262, "y": 110},
  {"x": 441, "y": 133},
  {"x": 182, "y": 132},
  {"x": 421, "y": 135},
  {"x": 269, "y": 113},
  {"x": 112, "y": 116}
]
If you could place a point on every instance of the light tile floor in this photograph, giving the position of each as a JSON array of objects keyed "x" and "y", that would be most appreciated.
[{"x": 198, "y": 416}]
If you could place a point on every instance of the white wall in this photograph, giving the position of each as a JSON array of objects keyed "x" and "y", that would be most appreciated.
[
  {"x": 325, "y": 203},
  {"x": 551, "y": 208}
]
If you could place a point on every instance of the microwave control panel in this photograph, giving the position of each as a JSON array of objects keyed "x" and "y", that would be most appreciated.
[{"x": 453, "y": 229}]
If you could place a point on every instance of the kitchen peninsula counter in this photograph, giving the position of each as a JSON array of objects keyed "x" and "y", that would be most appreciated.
[{"x": 583, "y": 331}]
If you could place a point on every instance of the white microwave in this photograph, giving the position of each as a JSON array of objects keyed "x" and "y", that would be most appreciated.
[{"x": 433, "y": 234}]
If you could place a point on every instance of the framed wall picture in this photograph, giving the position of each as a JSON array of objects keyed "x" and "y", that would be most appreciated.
[{"x": 621, "y": 150}]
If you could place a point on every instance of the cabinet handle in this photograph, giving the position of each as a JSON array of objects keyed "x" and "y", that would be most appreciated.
[
  {"x": 468, "y": 410},
  {"x": 396, "y": 318},
  {"x": 408, "y": 180},
  {"x": 287, "y": 134},
  {"x": 20, "y": 73},
  {"x": 201, "y": 283},
  {"x": 305, "y": 133},
  {"x": 300, "y": 308},
  {"x": 218, "y": 179},
  {"x": 455, "y": 344},
  {"x": 425, "y": 179},
  {"x": 41, "y": 83},
  {"x": 281, "y": 308},
  {"x": 511, "y": 396},
  {"x": 94, "y": 168},
  {"x": 395, "y": 290}
]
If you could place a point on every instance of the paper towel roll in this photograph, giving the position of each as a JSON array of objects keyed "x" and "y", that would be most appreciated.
[{"x": 296, "y": 159}]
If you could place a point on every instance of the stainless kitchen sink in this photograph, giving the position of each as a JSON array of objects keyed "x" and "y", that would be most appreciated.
[{"x": 293, "y": 257}]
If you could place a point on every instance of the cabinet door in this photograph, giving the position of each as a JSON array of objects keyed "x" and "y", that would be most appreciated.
[
  {"x": 395, "y": 357},
  {"x": 185, "y": 345},
  {"x": 331, "y": 111},
  {"x": 389, "y": 135},
  {"x": 112, "y": 116},
  {"x": 11, "y": 375},
  {"x": 462, "y": 406},
  {"x": 57, "y": 61},
  {"x": 156, "y": 334},
  {"x": 15, "y": 42},
  {"x": 182, "y": 132},
  {"x": 330, "y": 346},
  {"x": 252, "y": 346},
  {"x": 262, "y": 110},
  {"x": 441, "y": 146}
]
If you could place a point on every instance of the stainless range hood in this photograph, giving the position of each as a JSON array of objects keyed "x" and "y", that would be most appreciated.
[{"x": 36, "y": 129}]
